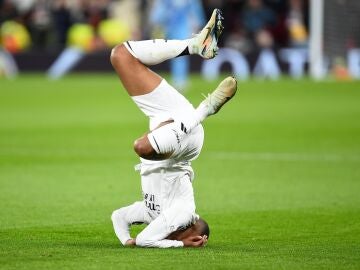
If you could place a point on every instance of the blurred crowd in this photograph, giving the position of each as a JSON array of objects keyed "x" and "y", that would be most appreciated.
[
  {"x": 50, "y": 24},
  {"x": 256, "y": 24}
]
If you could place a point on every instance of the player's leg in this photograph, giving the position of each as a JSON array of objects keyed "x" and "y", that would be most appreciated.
[
  {"x": 129, "y": 59},
  {"x": 162, "y": 142},
  {"x": 135, "y": 76},
  {"x": 146, "y": 148}
]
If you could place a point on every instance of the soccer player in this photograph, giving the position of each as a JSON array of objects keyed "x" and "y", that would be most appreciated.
[{"x": 174, "y": 140}]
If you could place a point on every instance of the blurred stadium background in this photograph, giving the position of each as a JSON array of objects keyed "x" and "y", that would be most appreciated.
[
  {"x": 265, "y": 38},
  {"x": 278, "y": 179}
]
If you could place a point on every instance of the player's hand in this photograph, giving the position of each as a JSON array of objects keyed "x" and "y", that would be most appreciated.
[
  {"x": 130, "y": 243},
  {"x": 195, "y": 241}
]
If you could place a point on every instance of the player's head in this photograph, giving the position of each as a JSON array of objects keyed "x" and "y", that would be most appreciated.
[{"x": 199, "y": 228}]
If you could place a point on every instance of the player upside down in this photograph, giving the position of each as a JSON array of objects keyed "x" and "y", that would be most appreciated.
[{"x": 175, "y": 139}]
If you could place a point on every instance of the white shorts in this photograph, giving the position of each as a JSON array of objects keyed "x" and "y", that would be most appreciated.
[
  {"x": 162, "y": 104},
  {"x": 165, "y": 103}
]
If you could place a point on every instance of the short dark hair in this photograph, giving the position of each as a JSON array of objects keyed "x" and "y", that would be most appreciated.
[{"x": 203, "y": 227}]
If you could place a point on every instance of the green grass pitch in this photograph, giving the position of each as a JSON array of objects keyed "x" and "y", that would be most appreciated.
[{"x": 278, "y": 179}]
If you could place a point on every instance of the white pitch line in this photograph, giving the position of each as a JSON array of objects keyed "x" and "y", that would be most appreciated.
[{"x": 282, "y": 156}]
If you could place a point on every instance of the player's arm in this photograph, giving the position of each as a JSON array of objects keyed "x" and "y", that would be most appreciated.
[
  {"x": 124, "y": 217},
  {"x": 191, "y": 241},
  {"x": 177, "y": 241},
  {"x": 154, "y": 235},
  {"x": 157, "y": 233}
]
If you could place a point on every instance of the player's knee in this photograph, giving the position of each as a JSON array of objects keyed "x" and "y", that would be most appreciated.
[
  {"x": 119, "y": 54},
  {"x": 143, "y": 148}
]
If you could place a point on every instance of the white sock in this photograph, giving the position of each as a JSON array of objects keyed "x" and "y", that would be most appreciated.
[
  {"x": 191, "y": 121},
  {"x": 202, "y": 112},
  {"x": 152, "y": 52}
]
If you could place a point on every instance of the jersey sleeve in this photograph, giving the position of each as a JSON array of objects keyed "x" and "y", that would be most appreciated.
[
  {"x": 125, "y": 216},
  {"x": 154, "y": 235}
]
